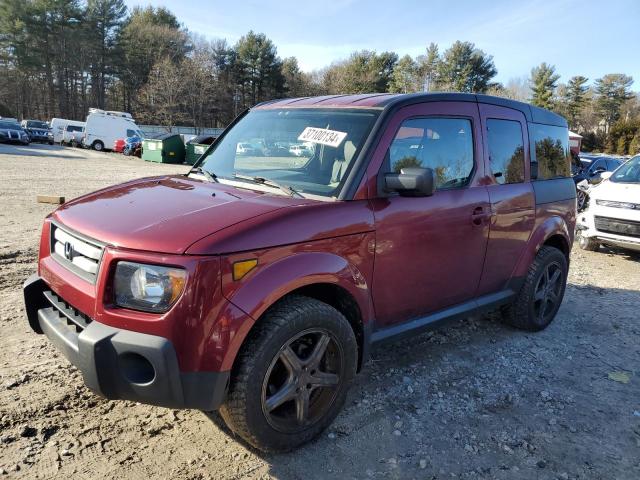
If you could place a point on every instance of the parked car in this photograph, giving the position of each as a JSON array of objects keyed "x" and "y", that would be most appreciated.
[
  {"x": 594, "y": 166},
  {"x": 300, "y": 150},
  {"x": 38, "y": 131},
  {"x": 58, "y": 126},
  {"x": 244, "y": 148},
  {"x": 613, "y": 214},
  {"x": 72, "y": 134},
  {"x": 258, "y": 287},
  {"x": 118, "y": 145},
  {"x": 12, "y": 132},
  {"x": 133, "y": 146},
  {"x": 105, "y": 127}
]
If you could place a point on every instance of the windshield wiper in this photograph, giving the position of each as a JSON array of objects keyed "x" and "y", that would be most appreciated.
[
  {"x": 269, "y": 183},
  {"x": 201, "y": 171}
]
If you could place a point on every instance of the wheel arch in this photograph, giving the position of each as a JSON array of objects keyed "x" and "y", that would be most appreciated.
[
  {"x": 328, "y": 278},
  {"x": 552, "y": 232}
]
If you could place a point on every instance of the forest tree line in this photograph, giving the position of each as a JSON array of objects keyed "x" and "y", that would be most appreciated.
[{"x": 58, "y": 58}]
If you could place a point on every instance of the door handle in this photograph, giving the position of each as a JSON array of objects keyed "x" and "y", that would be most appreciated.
[{"x": 480, "y": 214}]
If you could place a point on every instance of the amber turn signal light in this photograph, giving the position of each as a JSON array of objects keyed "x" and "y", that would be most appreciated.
[{"x": 241, "y": 268}]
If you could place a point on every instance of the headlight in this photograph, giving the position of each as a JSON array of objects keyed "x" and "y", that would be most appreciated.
[
  {"x": 615, "y": 204},
  {"x": 149, "y": 288}
]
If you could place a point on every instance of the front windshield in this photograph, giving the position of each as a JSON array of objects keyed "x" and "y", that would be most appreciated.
[
  {"x": 628, "y": 173},
  {"x": 309, "y": 150},
  {"x": 10, "y": 125},
  {"x": 37, "y": 124}
]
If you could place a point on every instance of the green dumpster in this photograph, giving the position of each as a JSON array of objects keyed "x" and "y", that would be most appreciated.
[
  {"x": 197, "y": 146},
  {"x": 163, "y": 148}
]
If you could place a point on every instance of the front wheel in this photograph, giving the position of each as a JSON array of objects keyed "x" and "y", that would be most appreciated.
[
  {"x": 292, "y": 375},
  {"x": 539, "y": 299},
  {"x": 98, "y": 146}
]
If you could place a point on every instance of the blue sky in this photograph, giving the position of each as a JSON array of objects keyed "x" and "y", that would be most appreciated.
[{"x": 584, "y": 37}]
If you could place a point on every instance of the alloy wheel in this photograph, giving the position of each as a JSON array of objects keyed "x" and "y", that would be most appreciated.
[
  {"x": 547, "y": 292},
  {"x": 302, "y": 381}
]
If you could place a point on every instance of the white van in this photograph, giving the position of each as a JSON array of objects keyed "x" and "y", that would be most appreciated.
[
  {"x": 58, "y": 125},
  {"x": 72, "y": 135},
  {"x": 103, "y": 128}
]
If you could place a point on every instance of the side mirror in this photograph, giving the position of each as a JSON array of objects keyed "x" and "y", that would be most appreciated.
[
  {"x": 411, "y": 182},
  {"x": 597, "y": 171}
]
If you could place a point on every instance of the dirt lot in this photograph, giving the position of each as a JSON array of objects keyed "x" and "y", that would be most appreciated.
[{"x": 472, "y": 400}]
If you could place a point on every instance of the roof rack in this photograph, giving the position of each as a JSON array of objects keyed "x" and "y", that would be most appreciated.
[{"x": 110, "y": 113}]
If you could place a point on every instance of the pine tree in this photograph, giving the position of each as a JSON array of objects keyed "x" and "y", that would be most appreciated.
[
  {"x": 543, "y": 85},
  {"x": 428, "y": 67},
  {"x": 634, "y": 146},
  {"x": 464, "y": 68},
  {"x": 404, "y": 78},
  {"x": 575, "y": 98},
  {"x": 612, "y": 91}
]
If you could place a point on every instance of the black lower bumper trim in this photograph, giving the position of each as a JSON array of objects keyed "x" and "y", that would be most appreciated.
[{"x": 121, "y": 364}]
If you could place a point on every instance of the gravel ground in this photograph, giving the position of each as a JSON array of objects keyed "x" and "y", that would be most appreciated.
[{"x": 472, "y": 400}]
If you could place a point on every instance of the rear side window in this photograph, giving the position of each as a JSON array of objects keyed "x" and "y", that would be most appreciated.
[
  {"x": 506, "y": 150},
  {"x": 550, "y": 156},
  {"x": 443, "y": 144}
]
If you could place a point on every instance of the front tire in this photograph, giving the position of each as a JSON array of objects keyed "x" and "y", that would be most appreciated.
[
  {"x": 539, "y": 299},
  {"x": 98, "y": 146},
  {"x": 292, "y": 375}
]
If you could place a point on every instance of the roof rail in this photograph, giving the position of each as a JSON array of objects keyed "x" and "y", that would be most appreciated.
[{"x": 112, "y": 113}]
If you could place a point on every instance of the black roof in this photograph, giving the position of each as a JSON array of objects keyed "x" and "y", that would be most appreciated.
[
  {"x": 532, "y": 113},
  {"x": 391, "y": 100}
]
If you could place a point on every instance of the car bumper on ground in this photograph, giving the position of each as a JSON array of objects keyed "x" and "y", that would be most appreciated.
[{"x": 117, "y": 363}]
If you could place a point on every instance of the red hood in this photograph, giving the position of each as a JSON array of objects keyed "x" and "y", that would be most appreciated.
[{"x": 165, "y": 214}]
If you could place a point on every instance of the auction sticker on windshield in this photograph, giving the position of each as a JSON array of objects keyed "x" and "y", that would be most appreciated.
[{"x": 331, "y": 138}]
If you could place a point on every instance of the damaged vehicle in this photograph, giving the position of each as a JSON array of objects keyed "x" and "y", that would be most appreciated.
[
  {"x": 257, "y": 283},
  {"x": 613, "y": 213}
]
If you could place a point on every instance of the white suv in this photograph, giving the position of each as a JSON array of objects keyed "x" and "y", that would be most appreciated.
[{"x": 613, "y": 215}]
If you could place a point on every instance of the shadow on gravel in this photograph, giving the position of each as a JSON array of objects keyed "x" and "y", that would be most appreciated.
[
  {"x": 482, "y": 400},
  {"x": 37, "y": 150},
  {"x": 627, "y": 254}
]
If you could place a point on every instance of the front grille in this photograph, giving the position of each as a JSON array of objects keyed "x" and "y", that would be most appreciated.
[
  {"x": 617, "y": 226},
  {"x": 78, "y": 254},
  {"x": 73, "y": 317}
]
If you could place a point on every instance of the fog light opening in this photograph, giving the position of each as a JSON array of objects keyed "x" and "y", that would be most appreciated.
[{"x": 136, "y": 369}]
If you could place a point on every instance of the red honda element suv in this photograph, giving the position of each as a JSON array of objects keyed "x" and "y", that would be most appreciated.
[{"x": 312, "y": 229}]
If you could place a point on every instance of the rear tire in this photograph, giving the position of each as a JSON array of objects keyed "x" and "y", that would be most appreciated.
[
  {"x": 539, "y": 299},
  {"x": 282, "y": 395},
  {"x": 98, "y": 146},
  {"x": 588, "y": 243}
]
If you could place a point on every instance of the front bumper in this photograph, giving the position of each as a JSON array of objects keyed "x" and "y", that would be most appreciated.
[
  {"x": 588, "y": 226},
  {"x": 117, "y": 363},
  {"x": 35, "y": 137}
]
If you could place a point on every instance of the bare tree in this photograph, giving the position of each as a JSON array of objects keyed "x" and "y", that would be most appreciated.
[{"x": 162, "y": 99}]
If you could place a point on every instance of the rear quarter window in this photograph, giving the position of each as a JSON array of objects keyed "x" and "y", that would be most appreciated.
[{"x": 550, "y": 156}]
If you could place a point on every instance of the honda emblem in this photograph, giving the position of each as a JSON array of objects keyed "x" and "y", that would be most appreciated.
[{"x": 68, "y": 251}]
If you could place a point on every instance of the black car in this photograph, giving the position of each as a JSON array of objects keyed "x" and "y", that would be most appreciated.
[
  {"x": 12, "y": 132},
  {"x": 38, "y": 131},
  {"x": 591, "y": 166}
]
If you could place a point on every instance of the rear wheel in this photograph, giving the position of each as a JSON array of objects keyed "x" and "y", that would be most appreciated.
[
  {"x": 540, "y": 297},
  {"x": 98, "y": 146},
  {"x": 291, "y": 376}
]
